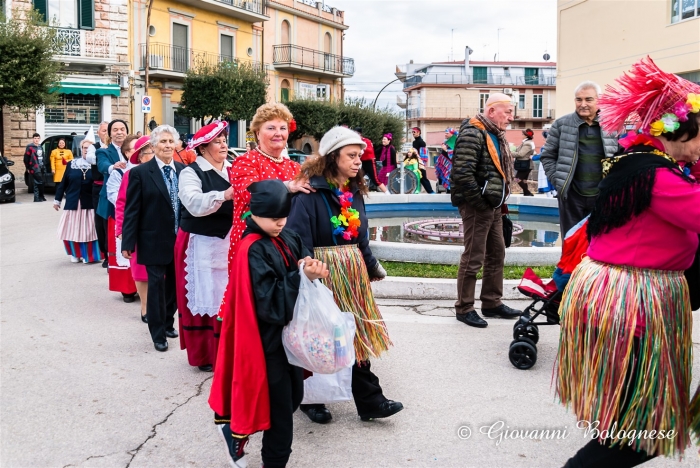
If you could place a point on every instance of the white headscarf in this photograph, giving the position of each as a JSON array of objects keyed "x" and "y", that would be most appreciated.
[{"x": 81, "y": 162}]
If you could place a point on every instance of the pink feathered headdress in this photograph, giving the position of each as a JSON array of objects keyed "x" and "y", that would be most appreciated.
[{"x": 650, "y": 98}]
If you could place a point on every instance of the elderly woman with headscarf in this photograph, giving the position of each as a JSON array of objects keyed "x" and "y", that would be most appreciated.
[
  {"x": 625, "y": 352},
  {"x": 77, "y": 225},
  {"x": 387, "y": 155},
  {"x": 333, "y": 225},
  {"x": 141, "y": 152},
  {"x": 201, "y": 248}
]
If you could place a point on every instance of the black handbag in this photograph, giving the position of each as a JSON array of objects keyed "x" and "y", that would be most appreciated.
[
  {"x": 692, "y": 275},
  {"x": 522, "y": 164},
  {"x": 507, "y": 230}
]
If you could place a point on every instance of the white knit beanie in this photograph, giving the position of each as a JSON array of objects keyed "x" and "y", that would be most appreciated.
[{"x": 337, "y": 137}]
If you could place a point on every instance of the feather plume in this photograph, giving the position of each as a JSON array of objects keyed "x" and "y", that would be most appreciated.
[{"x": 644, "y": 94}]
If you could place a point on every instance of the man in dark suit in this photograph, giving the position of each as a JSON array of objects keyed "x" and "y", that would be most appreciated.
[
  {"x": 151, "y": 220},
  {"x": 97, "y": 183}
]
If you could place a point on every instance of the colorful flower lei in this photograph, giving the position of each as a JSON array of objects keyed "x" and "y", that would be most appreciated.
[
  {"x": 669, "y": 122},
  {"x": 348, "y": 221}
]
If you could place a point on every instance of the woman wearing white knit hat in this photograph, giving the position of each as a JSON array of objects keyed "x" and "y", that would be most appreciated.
[{"x": 333, "y": 224}]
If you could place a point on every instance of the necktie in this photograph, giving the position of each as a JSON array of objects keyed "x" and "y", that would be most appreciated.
[{"x": 171, "y": 182}]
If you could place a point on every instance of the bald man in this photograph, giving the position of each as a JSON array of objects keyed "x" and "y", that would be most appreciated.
[{"x": 482, "y": 168}]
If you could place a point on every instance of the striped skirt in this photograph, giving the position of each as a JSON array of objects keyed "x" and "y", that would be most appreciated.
[
  {"x": 90, "y": 251},
  {"x": 77, "y": 225},
  {"x": 624, "y": 356},
  {"x": 352, "y": 292}
]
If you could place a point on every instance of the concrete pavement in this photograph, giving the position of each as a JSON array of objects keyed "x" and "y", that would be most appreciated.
[{"x": 82, "y": 386}]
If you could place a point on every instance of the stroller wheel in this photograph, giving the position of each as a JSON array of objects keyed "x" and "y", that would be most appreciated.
[
  {"x": 524, "y": 339},
  {"x": 522, "y": 355},
  {"x": 524, "y": 319},
  {"x": 528, "y": 331}
]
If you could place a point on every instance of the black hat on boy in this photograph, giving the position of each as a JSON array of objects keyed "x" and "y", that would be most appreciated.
[{"x": 270, "y": 199}]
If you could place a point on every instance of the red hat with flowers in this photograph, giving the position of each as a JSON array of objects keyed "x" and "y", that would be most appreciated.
[
  {"x": 207, "y": 133},
  {"x": 649, "y": 98}
]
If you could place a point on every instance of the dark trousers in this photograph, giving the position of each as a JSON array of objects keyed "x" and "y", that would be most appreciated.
[
  {"x": 483, "y": 247},
  {"x": 366, "y": 391},
  {"x": 370, "y": 169},
  {"x": 523, "y": 175},
  {"x": 100, "y": 222},
  {"x": 425, "y": 182},
  {"x": 286, "y": 384},
  {"x": 572, "y": 209},
  {"x": 38, "y": 189},
  {"x": 161, "y": 305}
]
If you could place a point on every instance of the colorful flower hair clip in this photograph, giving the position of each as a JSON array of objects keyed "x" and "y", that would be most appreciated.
[{"x": 694, "y": 102}]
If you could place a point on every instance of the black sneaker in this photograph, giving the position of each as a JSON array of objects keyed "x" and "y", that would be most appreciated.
[
  {"x": 234, "y": 446},
  {"x": 502, "y": 311},
  {"x": 472, "y": 319},
  {"x": 317, "y": 413},
  {"x": 105, "y": 264},
  {"x": 384, "y": 410}
]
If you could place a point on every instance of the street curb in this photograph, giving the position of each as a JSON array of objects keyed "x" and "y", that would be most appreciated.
[{"x": 399, "y": 287}]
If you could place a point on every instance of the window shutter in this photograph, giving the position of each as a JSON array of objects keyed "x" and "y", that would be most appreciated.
[
  {"x": 42, "y": 7},
  {"x": 285, "y": 95},
  {"x": 86, "y": 14}
]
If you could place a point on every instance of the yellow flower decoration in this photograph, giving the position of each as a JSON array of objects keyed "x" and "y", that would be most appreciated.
[
  {"x": 694, "y": 102},
  {"x": 657, "y": 128}
]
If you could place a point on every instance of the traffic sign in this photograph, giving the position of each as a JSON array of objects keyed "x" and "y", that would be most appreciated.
[{"x": 146, "y": 104}]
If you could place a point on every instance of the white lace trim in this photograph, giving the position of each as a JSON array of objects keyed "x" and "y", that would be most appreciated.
[
  {"x": 206, "y": 273},
  {"x": 220, "y": 126},
  {"x": 79, "y": 163}
]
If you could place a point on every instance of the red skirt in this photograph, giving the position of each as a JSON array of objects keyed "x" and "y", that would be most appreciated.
[
  {"x": 120, "y": 278},
  {"x": 199, "y": 334}
]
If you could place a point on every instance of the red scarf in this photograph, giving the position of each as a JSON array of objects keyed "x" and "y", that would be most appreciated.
[{"x": 240, "y": 387}]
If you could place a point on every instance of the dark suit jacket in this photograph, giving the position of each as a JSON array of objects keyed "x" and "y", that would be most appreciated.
[
  {"x": 105, "y": 158},
  {"x": 149, "y": 220},
  {"x": 75, "y": 189}
]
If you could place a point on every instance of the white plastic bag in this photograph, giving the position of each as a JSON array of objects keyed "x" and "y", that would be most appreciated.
[
  {"x": 319, "y": 337},
  {"x": 328, "y": 388}
]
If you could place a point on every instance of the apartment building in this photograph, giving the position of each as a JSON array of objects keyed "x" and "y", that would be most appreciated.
[
  {"x": 95, "y": 87},
  {"x": 304, "y": 42},
  {"x": 623, "y": 32},
  {"x": 443, "y": 94},
  {"x": 182, "y": 35}
]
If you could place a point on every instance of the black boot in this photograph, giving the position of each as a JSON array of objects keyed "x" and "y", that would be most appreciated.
[{"x": 317, "y": 413}]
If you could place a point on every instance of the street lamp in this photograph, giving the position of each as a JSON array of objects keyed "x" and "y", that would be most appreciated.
[{"x": 374, "y": 104}]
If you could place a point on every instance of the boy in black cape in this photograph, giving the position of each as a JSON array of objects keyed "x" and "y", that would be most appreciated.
[{"x": 254, "y": 387}]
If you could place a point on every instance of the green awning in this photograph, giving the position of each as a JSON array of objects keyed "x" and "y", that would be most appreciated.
[{"x": 87, "y": 88}]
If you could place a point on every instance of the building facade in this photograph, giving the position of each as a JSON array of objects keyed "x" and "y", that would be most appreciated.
[
  {"x": 183, "y": 34},
  {"x": 94, "y": 53},
  {"x": 443, "y": 94},
  {"x": 622, "y": 33}
]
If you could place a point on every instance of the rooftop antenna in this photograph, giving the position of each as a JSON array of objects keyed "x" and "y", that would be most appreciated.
[
  {"x": 498, "y": 50},
  {"x": 452, "y": 45}
]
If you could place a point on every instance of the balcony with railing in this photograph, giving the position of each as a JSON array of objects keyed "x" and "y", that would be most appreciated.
[
  {"x": 296, "y": 58},
  {"x": 84, "y": 46},
  {"x": 459, "y": 113},
  {"x": 252, "y": 11},
  {"x": 490, "y": 79},
  {"x": 172, "y": 62}
]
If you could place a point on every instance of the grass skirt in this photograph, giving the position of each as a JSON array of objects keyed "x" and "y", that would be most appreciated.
[
  {"x": 352, "y": 291},
  {"x": 597, "y": 369}
]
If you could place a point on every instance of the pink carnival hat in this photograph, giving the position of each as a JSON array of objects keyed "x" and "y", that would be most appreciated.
[
  {"x": 138, "y": 146},
  {"x": 207, "y": 133}
]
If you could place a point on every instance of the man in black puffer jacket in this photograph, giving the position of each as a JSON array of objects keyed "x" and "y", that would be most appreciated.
[{"x": 482, "y": 168}]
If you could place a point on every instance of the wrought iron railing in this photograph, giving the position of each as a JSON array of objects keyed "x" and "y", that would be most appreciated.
[
  {"x": 255, "y": 6},
  {"x": 288, "y": 54},
  {"x": 172, "y": 58},
  {"x": 83, "y": 43},
  {"x": 490, "y": 79},
  {"x": 456, "y": 112}
]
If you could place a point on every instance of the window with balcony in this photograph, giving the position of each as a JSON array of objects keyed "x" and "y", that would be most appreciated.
[
  {"x": 536, "y": 106},
  {"x": 532, "y": 76},
  {"x": 684, "y": 9},
  {"x": 226, "y": 48},
  {"x": 284, "y": 29},
  {"x": 75, "y": 14},
  {"x": 480, "y": 75},
  {"x": 483, "y": 97}
]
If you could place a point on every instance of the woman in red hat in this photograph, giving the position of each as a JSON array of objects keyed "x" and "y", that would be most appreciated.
[
  {"x": 142, "y": 153},
  {"x": 202, "y": 244}
]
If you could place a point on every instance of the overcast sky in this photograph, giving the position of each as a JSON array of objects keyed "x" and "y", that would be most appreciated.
[{"x": 386, "y": 33}]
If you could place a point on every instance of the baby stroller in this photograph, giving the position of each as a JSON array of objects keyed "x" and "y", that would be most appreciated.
[{"x": 546, "y": 298}]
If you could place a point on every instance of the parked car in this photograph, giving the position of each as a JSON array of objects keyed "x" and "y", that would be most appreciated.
[
  {"x": 297, "y": 155},
  {"x": 7, "y": 181},
  {"x": 49, "y": 144},
  {"x": 234, "y": 152}
]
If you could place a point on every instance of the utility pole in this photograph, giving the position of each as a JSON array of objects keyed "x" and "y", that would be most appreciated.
[{"x": 148, "y": 60}]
